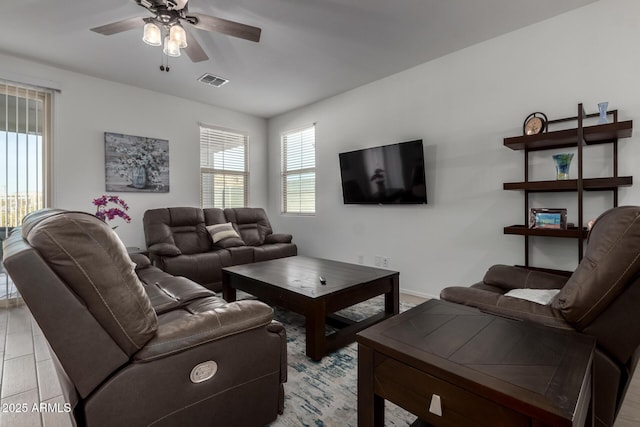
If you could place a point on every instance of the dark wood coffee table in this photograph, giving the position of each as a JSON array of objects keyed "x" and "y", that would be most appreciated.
[
  {"x": 452, "y": 365},
  {"x": 293, "y": 283}
]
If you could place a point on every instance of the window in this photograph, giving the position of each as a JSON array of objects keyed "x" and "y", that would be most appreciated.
[
  {"x": 25, "y": 121},
  {"x": 299, "y": 171},
  {"x": 223, "y": 168},
  {"x": 25, "y": 140}
]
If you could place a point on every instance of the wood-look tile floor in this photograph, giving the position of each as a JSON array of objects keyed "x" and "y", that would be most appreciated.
[
  {"x": 28, "y": 377},
  {"x": 30, "y": 395}
]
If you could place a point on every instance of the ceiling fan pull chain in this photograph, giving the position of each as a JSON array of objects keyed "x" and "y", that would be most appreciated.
[{"x": 164, "y": 59}]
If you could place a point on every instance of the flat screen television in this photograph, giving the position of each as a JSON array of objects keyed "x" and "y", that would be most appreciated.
[{"x": 390, "y": 174}]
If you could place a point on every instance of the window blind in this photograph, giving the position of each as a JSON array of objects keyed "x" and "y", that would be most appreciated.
[
  {"x": 299, "y": 171},
  {"x": 25, "y": 121},
  {"x": 25, "y": 133},
  {"x": 223, "y": 168}
]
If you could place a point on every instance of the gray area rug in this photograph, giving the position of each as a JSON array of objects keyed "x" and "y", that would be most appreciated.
[{"x": 324, "y": 393}]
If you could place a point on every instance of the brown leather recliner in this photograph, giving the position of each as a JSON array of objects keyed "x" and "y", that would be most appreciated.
[
  {"x": 135, "y": 346},
  {"x": 601, "y": 298},
  {"x": 179, "y": 243}
]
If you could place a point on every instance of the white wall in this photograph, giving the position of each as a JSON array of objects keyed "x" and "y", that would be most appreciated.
[
  {"x": 462, "y": 106},
  {"x": 87, "y": 107}
]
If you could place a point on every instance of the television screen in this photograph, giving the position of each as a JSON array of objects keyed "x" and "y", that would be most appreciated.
[{"x": 390, "y": 174}]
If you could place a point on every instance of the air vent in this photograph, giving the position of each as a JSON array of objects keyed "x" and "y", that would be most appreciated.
[{"x": 212, "y": 80}]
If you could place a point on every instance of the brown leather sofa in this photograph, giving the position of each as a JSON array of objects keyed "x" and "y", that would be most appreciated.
[
  {"x": 601, "y": 298},
  {"x": 135, "y": 346},
  {"x": 179, "y": 242}
]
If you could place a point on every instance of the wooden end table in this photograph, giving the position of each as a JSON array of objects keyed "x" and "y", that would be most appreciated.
[
  {"x": 293, "y": 283},
  {"x": 452, "y": 365}
]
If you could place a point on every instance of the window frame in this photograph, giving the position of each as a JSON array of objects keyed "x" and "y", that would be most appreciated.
[
  {"x": 221, "y": 171},
  {"x": 286, "y": 172}
]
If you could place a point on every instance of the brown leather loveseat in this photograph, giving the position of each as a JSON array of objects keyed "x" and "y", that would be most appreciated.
[
  {"x": 135, "y": 346},
  {"x": 601, "y": 298},
  {"x": 180, "y": 241}
]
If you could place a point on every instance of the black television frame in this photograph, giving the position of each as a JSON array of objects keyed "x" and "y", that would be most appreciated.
[{"x": 411, "y": 193}]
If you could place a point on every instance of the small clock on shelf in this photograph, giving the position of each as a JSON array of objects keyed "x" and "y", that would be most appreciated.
[{"x": 534, "y": 124}]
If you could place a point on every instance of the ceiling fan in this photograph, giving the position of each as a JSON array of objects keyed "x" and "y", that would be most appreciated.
[{"x": 168, "y": 16}]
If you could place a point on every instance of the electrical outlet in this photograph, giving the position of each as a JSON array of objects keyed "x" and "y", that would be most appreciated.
[
  {"x": 385, "y": 262},
  {"x": 377, "y": 260},
  {"x": 360, "y": 259}
]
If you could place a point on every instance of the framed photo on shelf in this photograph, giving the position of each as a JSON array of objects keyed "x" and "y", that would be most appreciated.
[{"x": 548, "y": 218}]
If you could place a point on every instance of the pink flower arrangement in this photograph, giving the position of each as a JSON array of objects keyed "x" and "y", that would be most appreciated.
[{"x": 108, "y": 214}]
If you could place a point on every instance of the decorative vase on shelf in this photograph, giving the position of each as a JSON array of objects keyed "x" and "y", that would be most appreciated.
[
  {"x": 138, "y": 177},
  {"x": 563, "y": 161},
  {"x": 602, "y": 109}
]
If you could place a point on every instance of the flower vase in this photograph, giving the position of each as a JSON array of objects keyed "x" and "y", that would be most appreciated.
[
  {"x": 563, "y": 161},
  {"x": 602, "y": 109},
  {"x": 138, "y": 177}
]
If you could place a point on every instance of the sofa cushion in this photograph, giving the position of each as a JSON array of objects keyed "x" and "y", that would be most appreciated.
[
  {"x": 182, "y": 228},
  {"x": 204, "y": 268},
  {"x": 214, "y": 216},
  {"x": 167, "y": 292},
  {"x": 207, "y": 319},
  {"x": 231, "y": 242},
  {"x": 157, "y": 226},
  {"x": 274, "y": 251},
  {"x": 241, "y": 255},
  {"x": 220, "y": 232},
  {"x": 192, "y": 239},
  {"x": 252, "y": 223},
  {"x": 278, "y": 238},
  {"x": 88, "y": 255},
  {"x": 611, "y": 259},
  {"x": 215, "y": 219}
]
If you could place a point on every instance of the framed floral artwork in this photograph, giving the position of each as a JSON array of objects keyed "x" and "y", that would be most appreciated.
[{"x": 136, "y": 163}]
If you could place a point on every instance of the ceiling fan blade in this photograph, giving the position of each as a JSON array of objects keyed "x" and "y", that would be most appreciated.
[
  {"x": 120, "y": 26},
  {"x": 181, "y": 4},
  {"x": 194, "y": 50},
  {"x": 230, "y": 28}
]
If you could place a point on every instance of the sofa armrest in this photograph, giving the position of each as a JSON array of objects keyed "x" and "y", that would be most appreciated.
[
  {"x": 510, "y": 277},
  {"x": 140, "y": 260},
  {"x": 505, "y": 306},
  {"x": 520, "y": 309},
  {"x": 164, "y": 249},
  {"x": 249, "y": 369},
  {"x": 278, "y": 328},
  {"x": 201, "y": 322},
  {"x": 278, "y": 238}
]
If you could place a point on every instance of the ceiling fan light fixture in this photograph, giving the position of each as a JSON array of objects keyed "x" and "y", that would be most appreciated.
[
  {"x": 164, "y": 28},
  {"x": 151, "y": 34},
  {"x": 171, "y": 47},
  {"x": 179, "y": 35}
]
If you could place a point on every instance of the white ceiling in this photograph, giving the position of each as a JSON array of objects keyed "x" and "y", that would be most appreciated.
[{"x": 309, "y": 49}]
